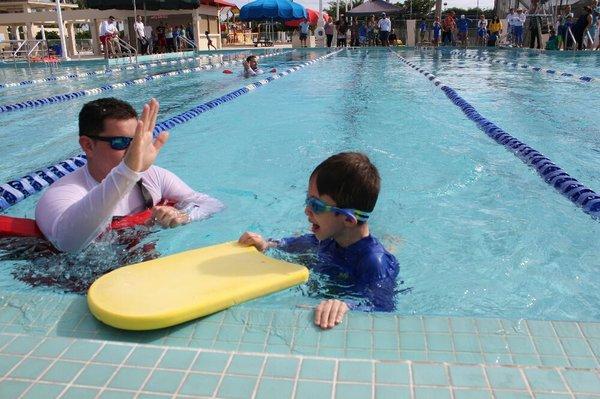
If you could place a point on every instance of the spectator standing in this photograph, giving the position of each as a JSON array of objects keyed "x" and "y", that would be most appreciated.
[
  {"x": 422, "y": 30},
  {"x": 162, "y": 40},
  {"x": 482, "y": 28},
  {"x": 140, "y": 34},
  {"x": 109, "y": 34},
  {"x": 594, "y": 27},
  {"x": 329, "y": 26},
  {"x": 509, "y": 22},
  {"x": 463, "y": 30},
  {"x": 151, "y": 37},
  {"x": 189, "y": 31},
  {"x": 169, "y": 38},
  {"x": 495, "y": 28},
  {"x": 371, "y": 35},
  {"x": 304, "y": 29},
  {"x": 342, "y": 28},
  {"x": 518, "y": 22},
  {"x": 535, "y": 34},
  {"x": 385, "y": 27},
  {"x": 448, "y": 26},
  {"x": 581, "y": 26},
  {"x": 437, "y": 31}
]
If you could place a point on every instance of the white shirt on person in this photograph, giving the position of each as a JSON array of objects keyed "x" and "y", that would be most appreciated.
[
  {"x": 148, "y": 31},
  {"x": 519, "y": 19},
  {"x": 509, "y": 19},
  {"x": 139, "y": 29},
  {"x": 108, "y": 28},
  {"x": 385, "y": 24},
  {"x": 74, "y": 211}
]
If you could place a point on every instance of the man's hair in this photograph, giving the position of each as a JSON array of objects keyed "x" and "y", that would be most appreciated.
[
  {"x": 94, "y": 113},
  {"x": 111, "y": 17},
  {"x": 206, "y": 32},
  {"x": 350, "y": 179},
  {"x": 250, "y": 58}
]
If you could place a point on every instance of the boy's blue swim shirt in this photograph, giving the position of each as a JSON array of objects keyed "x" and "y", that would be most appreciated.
[{"x": 365, "y": 265}]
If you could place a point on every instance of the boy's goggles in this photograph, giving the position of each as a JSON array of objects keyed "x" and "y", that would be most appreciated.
[{"x": 318, "y": 206}]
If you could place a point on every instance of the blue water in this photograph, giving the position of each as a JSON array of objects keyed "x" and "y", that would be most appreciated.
[{"x": 476, "y": 231}]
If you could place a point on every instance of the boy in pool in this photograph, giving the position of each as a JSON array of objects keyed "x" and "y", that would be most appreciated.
[
  {"x": 251, "y": 67},
  {"x": 342, "y": 192}
]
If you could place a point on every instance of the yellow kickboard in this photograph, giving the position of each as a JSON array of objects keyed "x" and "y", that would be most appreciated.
[{"x": 181, "y": 287}]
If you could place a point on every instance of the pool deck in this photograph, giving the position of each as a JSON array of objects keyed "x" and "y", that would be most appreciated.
[{"x": 52, "y": 347}]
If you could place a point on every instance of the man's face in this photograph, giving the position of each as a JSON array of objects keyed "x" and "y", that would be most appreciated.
[
  {"x": 253, "y": 63},
  {"x": 139, "y": 18},
  {"x": 111, "y": 20},
  {"x": 101, "y": 157}
]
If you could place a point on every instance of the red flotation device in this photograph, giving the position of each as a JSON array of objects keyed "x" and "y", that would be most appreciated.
[
  {"x": 228, "y": 71},
  {"x": 273, "y": 70},
  {"x": 21, "y": 227}
]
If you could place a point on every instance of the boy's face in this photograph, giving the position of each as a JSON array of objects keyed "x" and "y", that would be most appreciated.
[
  {"x": 253, "y": 63},
  {"x": 326, "y": 224}
]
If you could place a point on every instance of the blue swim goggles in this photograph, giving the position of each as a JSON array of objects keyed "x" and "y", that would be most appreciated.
[
  {"x": 116, "y": 143},
  {"x": 318, "y": 206}
]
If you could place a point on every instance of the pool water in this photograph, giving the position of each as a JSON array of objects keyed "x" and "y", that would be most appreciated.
[{"x": 476, "y": 231}]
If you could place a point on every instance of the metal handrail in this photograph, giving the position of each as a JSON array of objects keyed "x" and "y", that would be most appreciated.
[
  {"x": 590, "y": 38},
  {"x": 570, "y": 33},
  {"x": 186, "y": 40},
  {"x": 35, "y": 46},
  {"x": 130, "y": 49}
]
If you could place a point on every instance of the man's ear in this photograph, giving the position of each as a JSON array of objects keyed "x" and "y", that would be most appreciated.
[{"x": 87, "y": 144}]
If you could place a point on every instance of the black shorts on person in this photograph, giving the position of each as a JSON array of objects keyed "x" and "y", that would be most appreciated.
[
  {"x": 303, "y": 36},
  {"x": 383, "y": 35}
]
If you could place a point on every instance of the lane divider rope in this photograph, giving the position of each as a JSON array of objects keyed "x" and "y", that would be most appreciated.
[
  {"x": 552, "y": 174},
  {"x": 60, "y": 98},
  {"x": 112, "y": 70},
  {"x": 548, "y": 71},
  {"x": 15, "y": 191}
]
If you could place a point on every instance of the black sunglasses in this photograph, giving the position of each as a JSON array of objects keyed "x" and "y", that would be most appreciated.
[{"x": 116, "y": 143}]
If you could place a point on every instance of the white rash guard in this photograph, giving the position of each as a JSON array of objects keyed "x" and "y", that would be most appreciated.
[{"x": 74, "y": 211}]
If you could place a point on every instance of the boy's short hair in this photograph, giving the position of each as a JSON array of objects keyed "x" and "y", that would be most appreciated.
[
  {"x": 94, "y": 113},
  {"x": 250, "y": 58},
  {"x": 206, "y": 32},
  {"x": 350, "y": 179}
]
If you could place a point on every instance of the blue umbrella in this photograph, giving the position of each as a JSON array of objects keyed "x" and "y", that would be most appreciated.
[{"x": 276, "y": 10}]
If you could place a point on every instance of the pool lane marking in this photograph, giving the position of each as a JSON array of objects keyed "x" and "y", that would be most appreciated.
[
  {"x": 109, "y": 71},
  {"x": 60, "y": 98},
  {"x": 552, "y": 174},
  {"x": 14, "y": 191},
  {"x": 554, "y": 72}
]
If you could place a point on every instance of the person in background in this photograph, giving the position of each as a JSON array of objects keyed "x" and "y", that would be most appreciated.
[
  {"x": 509, "y": 22},
  {"x": 177, "y": 45},
  {"x": 552, "y": 43},
  {"x": 385, "y": 27},
  {"x": 329, "y": 27},
  {"x": 535, "y": 34},
  {"x": 189, "y": 31},
  {"x": 482, "y": 29},
  {"x": 140, "y": 34},
  {"x": 495, "y": 29},
  {"x": 342, "y": 28},
  {"x": 109, "y": 37},
  {"x": 593, "y": 29},
  {"x": 162, "y": 39},
  {"x": 363, "y": 33},
  {"x": 169, "y": 39},
  {"x": 568, "y": 30},
  {"x": 437, "y": 31},
  {"x": 422, "y": 30},
  {"x": 463, "y": 30},
  {"x": 518, "y": 22},
  {"x": 304, "y": 27},
  {"x": 209, "y": 41},
  {"x": 393, "y": 39},
  {"x": 342, "y": 192},
  {"x": 119, "y": 179},
  {"x": 150, "y": 35},
  {"x": 448, "y": 26},
  {"x": 371, "y": 33},
  {"x": 581, "y": 27}
]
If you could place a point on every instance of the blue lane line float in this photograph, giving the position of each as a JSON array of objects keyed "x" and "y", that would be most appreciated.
[
  {"x": 15, "y": 191},
  {"x": 112, "y": 70},
  {"x": 552, "y": 174},
  {"x": 586, "y": 79},
  {"x": 96, "y": 90}
]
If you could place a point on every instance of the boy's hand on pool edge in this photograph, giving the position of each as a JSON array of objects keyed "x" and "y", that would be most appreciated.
[
  {"x": 255, "y": 240},
  {"x": 330, "y": 313}
]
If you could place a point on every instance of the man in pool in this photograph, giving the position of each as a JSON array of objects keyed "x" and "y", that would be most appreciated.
[
  {"x": 118, "y": 180},
  {"x": 342, "y": 192},
  {"x": 251, "y": 67}
]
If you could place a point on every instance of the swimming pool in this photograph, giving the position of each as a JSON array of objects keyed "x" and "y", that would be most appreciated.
[{"x": 476, "y": 231}]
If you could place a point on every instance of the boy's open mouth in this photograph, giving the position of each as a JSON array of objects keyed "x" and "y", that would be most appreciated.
[{"x": 314, "y": 227}]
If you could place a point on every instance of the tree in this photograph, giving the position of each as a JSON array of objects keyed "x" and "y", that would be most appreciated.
[
  {"x": 331, "y": 8},
  {"x": 420, "y": 8}
]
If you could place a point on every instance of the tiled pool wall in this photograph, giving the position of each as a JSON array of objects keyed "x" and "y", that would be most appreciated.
[{"x": 52, "y": 347}]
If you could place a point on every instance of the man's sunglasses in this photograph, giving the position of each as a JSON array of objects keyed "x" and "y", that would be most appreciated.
[
  {"x": 318, "y": 206},
  {"x": 116, "y": 143}
]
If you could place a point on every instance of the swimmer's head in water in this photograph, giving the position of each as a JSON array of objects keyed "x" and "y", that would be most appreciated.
[
  {"x": 252, "y": 62},
  {"x": 350, "y": 179}
]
